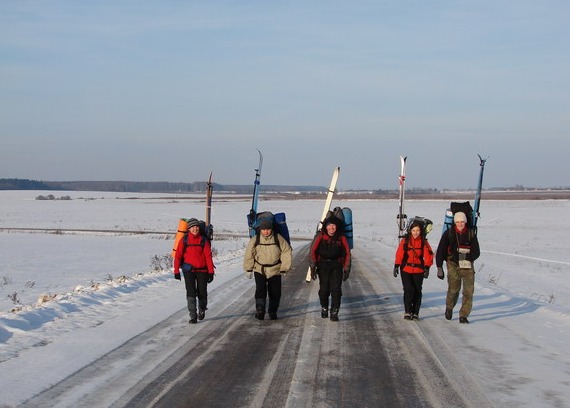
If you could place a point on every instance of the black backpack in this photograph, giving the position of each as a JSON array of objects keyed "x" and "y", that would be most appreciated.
[
  {"x": 425, "y": 224},
  {"x": 455, "y": 207}
]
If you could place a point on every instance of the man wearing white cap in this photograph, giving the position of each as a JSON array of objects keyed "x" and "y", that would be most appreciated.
[{"x": 459, "y": 248}]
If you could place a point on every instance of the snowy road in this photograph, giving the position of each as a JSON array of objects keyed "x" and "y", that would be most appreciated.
[{"x": 371, "y": 358}]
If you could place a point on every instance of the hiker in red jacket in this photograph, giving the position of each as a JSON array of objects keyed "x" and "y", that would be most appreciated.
[
  {"x": 194, "y": 256},
  {"x": 414, "y": 257}
]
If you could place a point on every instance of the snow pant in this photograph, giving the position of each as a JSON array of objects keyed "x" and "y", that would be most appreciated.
[
  {"x": 412, "y": 283},
  {"x": 456, "y": 277},
  {"x": 196, "y": 286},
  {"x": 330, "y": 282},
  {"x": 264, "y": 287}
]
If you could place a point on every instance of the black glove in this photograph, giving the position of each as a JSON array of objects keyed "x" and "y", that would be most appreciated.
[
  {"x": 177, "y": 276},
  {"x": 440, "y": 273},
  {"x": 396, "y": 270},
  {"x": 210, "y": 277},
  {"x": 345, "y": 274},
  {"x": 314, "y": 272},
  {"x": 426, "y": 272}
]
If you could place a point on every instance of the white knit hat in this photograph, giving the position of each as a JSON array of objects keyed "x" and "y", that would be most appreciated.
[{"x": 460, "y": 216}]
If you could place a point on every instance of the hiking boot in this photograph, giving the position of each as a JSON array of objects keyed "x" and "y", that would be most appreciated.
[
  {"x": 463, "y": 320},
  {"x": 324, "y": 312},
  {"x": 260, "y": 315},
  {"x": 201, "y": 314},
  {"x": 415, "y": 316},
  {"x": 334, "y": 315},
  {"x": 273, "y": 316},
  {"x": 193, "y": 320},
  {"x": 448, "y": 313},
  {"x": 407, "y": 316}
]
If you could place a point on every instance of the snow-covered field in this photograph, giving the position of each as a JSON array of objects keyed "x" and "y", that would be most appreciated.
[{"x": 71, "y": 295}]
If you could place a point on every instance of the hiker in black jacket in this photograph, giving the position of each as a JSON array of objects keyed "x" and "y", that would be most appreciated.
[{"x": 459, "y": 248}]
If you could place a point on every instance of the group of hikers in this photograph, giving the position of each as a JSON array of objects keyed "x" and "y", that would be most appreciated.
[
  {"x": 268, "y": 256},
  {"x": 458, "y": 247}
]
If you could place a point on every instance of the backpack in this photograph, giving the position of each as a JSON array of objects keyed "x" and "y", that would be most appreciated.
[
  {"x": 426, "y": 226},
  {"x": 455, "y": 207},
  {"x": 279, "y": 223}
]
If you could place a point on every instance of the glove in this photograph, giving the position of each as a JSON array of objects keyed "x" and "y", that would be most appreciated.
[
  {"x": 249, "y": 274},
  {"x": 313, "y": 272},
  {"x": 396, "y": 270},
  {"x": 426, "y": 272},
  {"x": 345, "y": 274},
  {"x": 177, "y": 276},
  {"x": 440, "y": 273},
  {"x": 210, "y": 277}
]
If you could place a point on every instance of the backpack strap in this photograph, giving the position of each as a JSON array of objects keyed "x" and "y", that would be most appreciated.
[
  {"x": 275, "y": 239},
  {"x": 406, "y": 249}
]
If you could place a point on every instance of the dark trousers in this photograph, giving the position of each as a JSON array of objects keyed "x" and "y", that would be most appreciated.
[
  {"x": 264, "y": 287},
  {"x": 412, "y": 283},
  {"x": 197, "y": 286},
  {"x": 330, "y": 282}
]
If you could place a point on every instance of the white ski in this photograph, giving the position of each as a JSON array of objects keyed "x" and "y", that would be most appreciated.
[
  {"x": 326, "y": 209},
  {"x": 401, "y": 215}
]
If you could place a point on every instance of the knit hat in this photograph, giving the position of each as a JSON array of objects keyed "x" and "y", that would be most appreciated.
[
  {"x": 460, "y": 216},
  {"x": 331, "y": 220},
  {"x": 265, "y": 224},
  {"x": 192, "y": 222}
]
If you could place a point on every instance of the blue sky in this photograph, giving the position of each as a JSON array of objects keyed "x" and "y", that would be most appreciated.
[{"x": 171, "y": 90}]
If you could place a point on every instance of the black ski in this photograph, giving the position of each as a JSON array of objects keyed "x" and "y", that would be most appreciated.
[
  {"x": 208, "y": 221},
  {"x": 253, "y": 212},
  {"x": 477, "y": 203}
]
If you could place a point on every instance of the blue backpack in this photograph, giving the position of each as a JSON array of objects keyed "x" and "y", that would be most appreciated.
[{"x": 279, "y": 223}]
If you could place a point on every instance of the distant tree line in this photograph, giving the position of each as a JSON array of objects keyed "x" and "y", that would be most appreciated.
[
  {"x": 142, "y": 186},
  {"x": 200, "y": 186},
  {"x": 23, "y": 184}
]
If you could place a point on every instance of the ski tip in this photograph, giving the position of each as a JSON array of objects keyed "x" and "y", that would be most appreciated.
[
  {"x": 260, "y": 161},
  {"x": 482, "y": 160}
]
